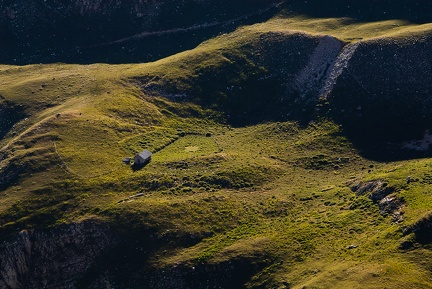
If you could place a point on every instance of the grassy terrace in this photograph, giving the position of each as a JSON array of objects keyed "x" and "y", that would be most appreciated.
[{"x": 271, "y": 191}]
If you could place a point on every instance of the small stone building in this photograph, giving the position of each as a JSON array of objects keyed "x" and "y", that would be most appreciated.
[{"x": 142, "y": 158}]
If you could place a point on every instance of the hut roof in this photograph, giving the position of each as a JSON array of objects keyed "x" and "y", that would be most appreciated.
[{"x": 145, "y": 154}]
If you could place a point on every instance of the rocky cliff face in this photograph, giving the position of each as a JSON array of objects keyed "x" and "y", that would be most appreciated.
[
  {"x": 52, "y": 259},
  {"x": 92, "y": 255}
]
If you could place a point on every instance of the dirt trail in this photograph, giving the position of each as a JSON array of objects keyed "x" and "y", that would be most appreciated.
[{"x": 190, "y": 28}]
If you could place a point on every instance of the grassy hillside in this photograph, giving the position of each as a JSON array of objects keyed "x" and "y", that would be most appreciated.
[{"x": 250, "y": 185}]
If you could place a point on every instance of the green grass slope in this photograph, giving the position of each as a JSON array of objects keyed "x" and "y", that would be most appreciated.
[{"x": 281, "y": 200}]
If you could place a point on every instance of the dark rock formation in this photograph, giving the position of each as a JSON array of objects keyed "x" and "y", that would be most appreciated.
[
  {"x": 93, "y": 255},
  {"x": 54, "y": 259},
  {"x": 375, "y": 190},
  {"x": 392, "y": 205},
  {"x": 384, "y": 196}
]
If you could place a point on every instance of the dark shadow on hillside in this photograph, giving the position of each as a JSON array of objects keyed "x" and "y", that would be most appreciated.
[
  {"x": 416, "y": 11},
  {"x": 136, "y": 167},
  {"x": 424, "y": 237},
  {"x": 58, "y": 32},
  {"x": 391, "y": 134},
  {"x": 422, "y": 230},
  {"x": 237, "y": 103},
  {"x": 374, "y": 147},
  {"x": 248, "y": 83},
  {"x": 135, "y": 50},
  {"x": 121, "y": 38},
  {"x": 10, "y": 114}
]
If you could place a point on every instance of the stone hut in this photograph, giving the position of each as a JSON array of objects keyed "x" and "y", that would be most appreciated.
[{"x": 142, "y": 158}]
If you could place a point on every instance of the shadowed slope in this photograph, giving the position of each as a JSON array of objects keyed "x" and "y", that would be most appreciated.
[{"x": 116, "y": 31}]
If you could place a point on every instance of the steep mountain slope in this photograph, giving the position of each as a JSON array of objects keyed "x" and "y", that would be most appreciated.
[
  {"x": 81, "y": 31},
  {"x": 268, "y": 168},
  {"x": 391, "y": 90}
]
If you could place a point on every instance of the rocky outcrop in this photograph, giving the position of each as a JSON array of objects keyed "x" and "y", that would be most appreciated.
[
  {"x": 419, "y": 144},
  {"x": 337, "y": 68},
  {"x": 375, "y": 190},
  {"x": 320, "y": 68},
  {"x": 383, "y": 195},
  {"x": 52, "y": 259},
  {"x": 392, "y": 205},
  {"x": 93, "y": 255}
]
